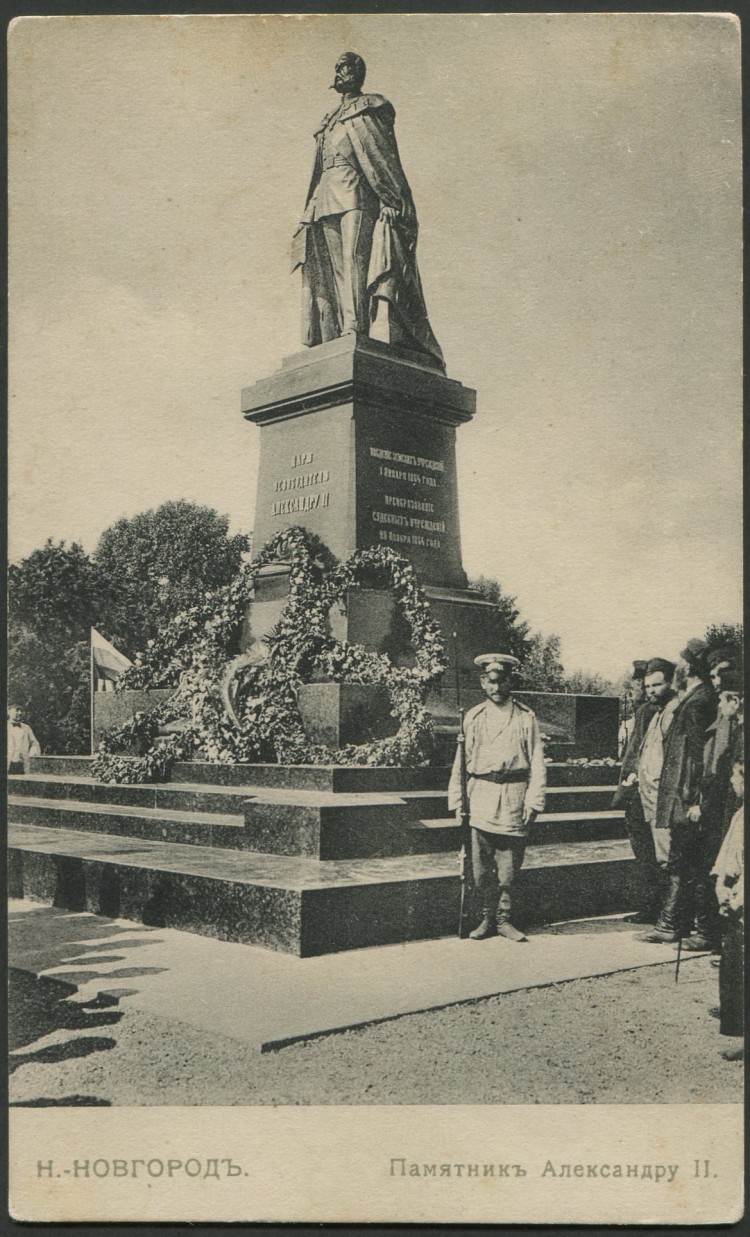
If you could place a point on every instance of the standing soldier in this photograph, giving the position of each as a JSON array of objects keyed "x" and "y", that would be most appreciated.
[{"x": 506, "y": 784}]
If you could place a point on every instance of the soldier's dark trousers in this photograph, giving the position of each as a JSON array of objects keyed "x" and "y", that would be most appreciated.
[
  {"x": 649, "y": 874},
  {"x": 496, "y": 861}
]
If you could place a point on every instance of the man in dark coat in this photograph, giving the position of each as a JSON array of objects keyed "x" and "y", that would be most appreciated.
[
  {"x": 678, "y": 807},
  {"x": 731, "y": 690},
  {"x": 358, "y": 237},
  {"x": 657, "y": 679}
]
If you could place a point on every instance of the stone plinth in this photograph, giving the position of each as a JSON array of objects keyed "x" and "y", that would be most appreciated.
[
  {"x": 112, "y": 709},
  {"x": 341, "y": 713},
  {"x": 358, "y": 446}
]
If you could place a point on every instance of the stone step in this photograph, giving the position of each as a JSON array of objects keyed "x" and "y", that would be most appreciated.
[
  {"x": 158, "y": 824},
  {"x": 188, "y": 796},
  {"x": 204, "y": 797},
  {"x": 443, "y": 833},
  {"x": 314, "y": 824},
  {"x": 337, "y": 779},
  {"x": 429, "y": 803},
  {"x": 295, "y": 905},
  {"x": 296, "y": 823}
]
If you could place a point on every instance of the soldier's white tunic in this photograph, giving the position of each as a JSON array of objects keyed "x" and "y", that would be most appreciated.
[{"x": 501, "y": 740}]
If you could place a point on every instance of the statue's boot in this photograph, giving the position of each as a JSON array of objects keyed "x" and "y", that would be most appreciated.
[{"x": 504, "y": 926}]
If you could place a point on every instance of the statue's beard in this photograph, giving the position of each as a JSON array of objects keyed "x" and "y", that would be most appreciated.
[{"x": 343, "y": 87}]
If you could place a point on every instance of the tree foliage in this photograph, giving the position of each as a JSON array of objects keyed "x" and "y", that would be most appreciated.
[
  {"x": 725, "y": 636},
  {"x": 58, "y": 592},
  {"x": 143, "y": 572},
  {"x": 511, "y": 631},
  {"x": 542, "y": 669},
  {"x": 160, "y": 562},
  {"x": 54, "y": 597},
  {"x": 589, "y": 683}
]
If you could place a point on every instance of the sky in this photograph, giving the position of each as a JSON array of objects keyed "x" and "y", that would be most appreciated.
[{"x": 577, "y": 180}]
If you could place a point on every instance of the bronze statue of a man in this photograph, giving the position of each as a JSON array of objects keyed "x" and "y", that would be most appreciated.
[{"x": 358, "y": 236}]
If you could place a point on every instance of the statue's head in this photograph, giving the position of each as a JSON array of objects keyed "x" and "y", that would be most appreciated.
[{"x": 349, "y": 74}]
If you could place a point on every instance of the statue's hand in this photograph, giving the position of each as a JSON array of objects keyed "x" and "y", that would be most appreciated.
[{"x": 389, "y": 213}]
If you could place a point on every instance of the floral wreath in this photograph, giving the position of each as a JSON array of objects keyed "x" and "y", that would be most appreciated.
[{"x": 231, "y": 708}]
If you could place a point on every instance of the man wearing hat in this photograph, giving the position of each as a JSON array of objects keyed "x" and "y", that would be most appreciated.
[
  {"x": 731, "y": 689},
  {"x": 720, "y": 737},
  {"x": 638, "y": 788},
  {"x": 507, "y": 778},
  {"x": 678, "y": 808},
  {"x": 717, "y": 802},
  {"x": 638, "y": 698}
]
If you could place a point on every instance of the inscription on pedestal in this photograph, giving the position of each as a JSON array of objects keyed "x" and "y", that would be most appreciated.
[
  {"x": 408, "y": 520},
  {"x": 358, "y": 446},
  {"x": 301, "y": 481}
]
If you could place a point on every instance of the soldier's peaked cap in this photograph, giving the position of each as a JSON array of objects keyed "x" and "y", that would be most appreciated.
[{"x": 496, "y": 661}]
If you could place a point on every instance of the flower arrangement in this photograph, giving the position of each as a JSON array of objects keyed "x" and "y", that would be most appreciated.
[{"x": 233, "y": 709}]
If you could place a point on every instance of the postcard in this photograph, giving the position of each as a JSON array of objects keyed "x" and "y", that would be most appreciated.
[{"x": 375, "y": 651}]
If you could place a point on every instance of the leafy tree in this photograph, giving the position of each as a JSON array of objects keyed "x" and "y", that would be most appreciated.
[
  {"x": 160, "y": 562},
  {"x": 541, "y": 670},
  {"x": 589, "y": 683},
  {"x": 143, "y": 572},
  {"x": 57, "y": 592},
  {"x": 512, "y": 632},
  {"x": 50, "y": 681},
  {"x": 725, "y": 636},
  {"x": 54, "y": 597}
]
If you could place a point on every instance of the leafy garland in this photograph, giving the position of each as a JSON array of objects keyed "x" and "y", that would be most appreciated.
[{"x": 198, "y": 655}]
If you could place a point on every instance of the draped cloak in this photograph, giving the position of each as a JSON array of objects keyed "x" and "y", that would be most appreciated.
[{"x": 393, "y": 274}]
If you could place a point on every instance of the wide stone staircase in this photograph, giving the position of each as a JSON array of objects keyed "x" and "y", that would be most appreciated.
[{"x": 304, "y": 859}]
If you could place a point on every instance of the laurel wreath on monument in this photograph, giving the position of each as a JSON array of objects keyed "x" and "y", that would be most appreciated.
[{"x": 230, "y": 707}]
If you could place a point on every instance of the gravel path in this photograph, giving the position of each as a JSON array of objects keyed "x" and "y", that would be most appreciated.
[{"x": 633, "y": 1037}]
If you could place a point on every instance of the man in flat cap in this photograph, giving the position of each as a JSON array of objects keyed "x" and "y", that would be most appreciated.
[
  {"x": 507, "y": 778},
  {"x": 678, "y": 808},
  {"x": 639, "y": 786}
]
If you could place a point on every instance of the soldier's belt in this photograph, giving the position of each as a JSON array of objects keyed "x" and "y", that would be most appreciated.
[{"x": 502, "y": 775}]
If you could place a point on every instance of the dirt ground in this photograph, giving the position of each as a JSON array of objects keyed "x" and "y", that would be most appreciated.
[{"x": 632, "y": 1037}]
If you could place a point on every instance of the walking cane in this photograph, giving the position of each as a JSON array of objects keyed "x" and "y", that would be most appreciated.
[{"x": 679, "y": 955}]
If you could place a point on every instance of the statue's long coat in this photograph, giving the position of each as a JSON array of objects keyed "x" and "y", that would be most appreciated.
[{"x": 393, "y": 274}]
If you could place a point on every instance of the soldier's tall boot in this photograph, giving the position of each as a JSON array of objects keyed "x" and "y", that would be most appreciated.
[{"x": 504, "y": 926}]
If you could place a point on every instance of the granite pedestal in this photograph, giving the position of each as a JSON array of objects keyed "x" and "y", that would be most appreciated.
[{"x": 358, "y": 445}]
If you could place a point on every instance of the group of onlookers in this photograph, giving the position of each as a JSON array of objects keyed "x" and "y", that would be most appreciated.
[{"x": 682, "y": 786}]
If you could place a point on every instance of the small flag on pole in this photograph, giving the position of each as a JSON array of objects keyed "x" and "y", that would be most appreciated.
[{"x": 107, "y": 663}]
